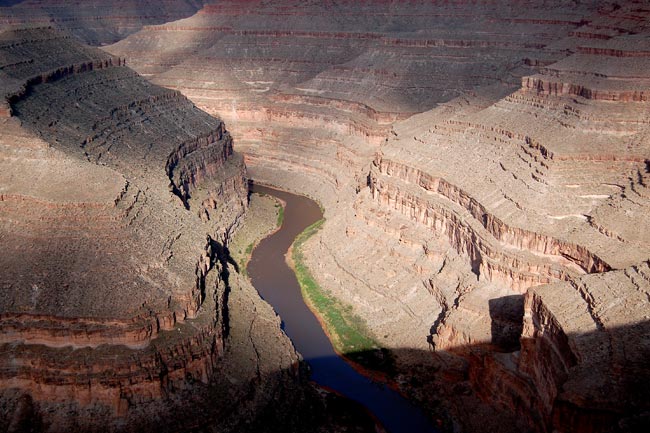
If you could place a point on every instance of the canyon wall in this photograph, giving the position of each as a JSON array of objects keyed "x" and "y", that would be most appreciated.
[
  {"x": 469, "y": 156},
  {"x": 94, "y": 22},
  {"x": 536, "y": 187},
  {"x": 119, "y": 309},
  {"x": 584, "y": 350},
  {"x": 314, "y": 89}
]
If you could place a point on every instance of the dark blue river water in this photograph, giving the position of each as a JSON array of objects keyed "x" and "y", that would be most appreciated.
[{"x": 277, "y": 284}]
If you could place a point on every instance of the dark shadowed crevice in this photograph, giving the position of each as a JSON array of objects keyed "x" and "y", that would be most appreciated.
[
  {"x": 507, "y": 321},
  {"x": 223, "y": 259}
]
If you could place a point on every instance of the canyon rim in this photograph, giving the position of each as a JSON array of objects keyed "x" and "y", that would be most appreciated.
[{"x": 484, "y": 172}]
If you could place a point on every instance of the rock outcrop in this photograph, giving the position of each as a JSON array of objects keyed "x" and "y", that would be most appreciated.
[
  {"x": 327, "y": 93},
  {"x": 468, "y": 155},
  {"x": 118, "y": 309},
  {"x": 584, "y": 348}
]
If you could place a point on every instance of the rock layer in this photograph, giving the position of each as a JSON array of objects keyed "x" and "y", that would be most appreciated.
[
  {"x": 95, "y": 22},
  {"x": 118, "y": 311},
  {"x": 466, "y": 156}
]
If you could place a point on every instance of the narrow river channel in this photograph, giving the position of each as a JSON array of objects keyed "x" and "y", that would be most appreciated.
[{"x": 277, "y": 284}]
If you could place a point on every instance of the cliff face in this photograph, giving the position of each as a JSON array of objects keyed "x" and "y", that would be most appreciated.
[
  {"x": 327, "y": 90},
  {"x": 117, "y": 310},
  {"x": 467, "y": 155},
  {"x": 115, "y": 119},
  {"x": 585, "y": 350},
  {"x": 521, "y": 186}
]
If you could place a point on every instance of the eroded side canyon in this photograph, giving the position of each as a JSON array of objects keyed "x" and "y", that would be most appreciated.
[{"x": 483, "y": 167}]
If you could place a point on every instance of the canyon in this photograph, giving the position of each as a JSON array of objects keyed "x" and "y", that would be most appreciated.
[
  {"x": 483, "y": 167},
  {"x": 119, "y": 311},
  {"x": 94, "y": 22}
]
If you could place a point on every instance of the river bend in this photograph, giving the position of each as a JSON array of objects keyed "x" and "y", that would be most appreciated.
[{"x": 277, "y": 284}]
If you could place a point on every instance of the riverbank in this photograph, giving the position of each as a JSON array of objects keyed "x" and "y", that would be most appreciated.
[
  {"x": 264, "y": 216},
  {"x": 348, "y": 332},
  {"x": 278, "y": 284}
]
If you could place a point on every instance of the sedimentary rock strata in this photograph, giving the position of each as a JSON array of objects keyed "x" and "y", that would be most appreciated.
[
  {"x": 118, "y": 311},
  {"x": 333, "y": 88},
  {"x": 585, "y": 348},
  {"x": 95, "y": 22},
  {"x": 116, "y": 120},
  {"x": 470, "y": 157}
]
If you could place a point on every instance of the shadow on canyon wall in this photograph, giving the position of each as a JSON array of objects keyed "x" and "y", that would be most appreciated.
[
  {"x": 275, "y": 401},
  {"x": 607, "y": 389},
  {"x": 7, "y": 3},
  {"x": 506, "y": 321},
  {"x": 615, "y": 387}
]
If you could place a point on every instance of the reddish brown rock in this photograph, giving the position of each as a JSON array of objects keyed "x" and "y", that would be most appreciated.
[
  {"x": 585, "y": 351},
  {"x": 467, "y": 155},
  {"x": 113, "y": 307},
  {"x": 525, "y": 165}
]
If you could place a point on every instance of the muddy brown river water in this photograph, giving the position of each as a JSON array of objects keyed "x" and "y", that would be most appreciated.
[{"x": 277, "y": 284}]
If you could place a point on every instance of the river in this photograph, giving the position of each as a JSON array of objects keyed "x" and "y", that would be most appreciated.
[{"x": 277, "y": 284}]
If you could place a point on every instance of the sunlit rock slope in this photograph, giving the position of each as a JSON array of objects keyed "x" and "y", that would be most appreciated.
[
  {"x": 484, "y": 169},
  {"x": 118, "y": 308}
]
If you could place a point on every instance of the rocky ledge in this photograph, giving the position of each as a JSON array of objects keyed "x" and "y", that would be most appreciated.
[
  {"x": 119, "y": 310},
  {"x": 469, "y": 155}
]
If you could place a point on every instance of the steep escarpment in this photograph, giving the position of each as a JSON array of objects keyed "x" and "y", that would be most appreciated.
[
  {"x": 328, "y": 92},
  {"x": 119, "y": 310},
  {"x": 584, "y": 348},
  {"x": 467, "y": 155},
  {"x": 117, "y": 120},
  {"x": 534, "y": 173}
]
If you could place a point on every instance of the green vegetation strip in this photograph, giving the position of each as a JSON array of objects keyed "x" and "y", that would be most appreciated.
[
  {"x": 349, "y": 331},
  {"x": 244, "y": 260},
  {"x": 280, "y": 214}
]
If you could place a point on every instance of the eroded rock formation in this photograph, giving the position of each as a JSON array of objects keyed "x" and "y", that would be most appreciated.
[
  {"x": 477, "y": 162},
  {"x": 119, "y": 310}
]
